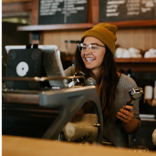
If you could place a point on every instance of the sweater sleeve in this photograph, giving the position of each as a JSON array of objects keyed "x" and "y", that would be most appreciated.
[{"x": 129, "y": 83}]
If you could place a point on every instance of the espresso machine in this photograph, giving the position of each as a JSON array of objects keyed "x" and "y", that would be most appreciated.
[{"x": 37, "y": 102}]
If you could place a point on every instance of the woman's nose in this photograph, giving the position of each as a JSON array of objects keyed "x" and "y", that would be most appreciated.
[{"x": 88, "y": 50}]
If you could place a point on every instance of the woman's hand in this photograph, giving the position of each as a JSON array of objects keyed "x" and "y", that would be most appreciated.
[{"x": 126, "y": 114}]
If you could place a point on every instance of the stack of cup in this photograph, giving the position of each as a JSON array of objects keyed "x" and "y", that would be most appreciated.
[{"x": 150, "y": 94}]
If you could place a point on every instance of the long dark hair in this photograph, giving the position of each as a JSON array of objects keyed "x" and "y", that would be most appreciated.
[{"x": 107, "y": 82}]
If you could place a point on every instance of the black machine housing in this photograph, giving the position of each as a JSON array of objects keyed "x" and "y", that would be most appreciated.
[{"x": 24, "y": 63}]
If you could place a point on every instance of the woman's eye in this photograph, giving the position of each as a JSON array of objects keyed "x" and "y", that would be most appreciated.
[
  {"x": 84, "y": 48},
  {"x": 94, "y": 47}
]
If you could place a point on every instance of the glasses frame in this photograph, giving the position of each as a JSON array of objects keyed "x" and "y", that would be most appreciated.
[{"x": 89, "y": 46}]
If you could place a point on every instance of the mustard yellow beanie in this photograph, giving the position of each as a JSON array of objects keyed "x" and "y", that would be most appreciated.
[{"x": 105, "y": 32}]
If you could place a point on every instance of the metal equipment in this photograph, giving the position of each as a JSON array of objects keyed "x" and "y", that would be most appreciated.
[
  {"x": 135, "y": 93},
  {"x": 62, "y": 103}
]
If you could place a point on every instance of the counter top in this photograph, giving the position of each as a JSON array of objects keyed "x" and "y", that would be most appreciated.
[{"x": 17, "y": 146}]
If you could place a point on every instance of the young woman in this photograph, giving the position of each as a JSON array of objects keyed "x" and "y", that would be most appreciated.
[{"x": 95, "y": 57}]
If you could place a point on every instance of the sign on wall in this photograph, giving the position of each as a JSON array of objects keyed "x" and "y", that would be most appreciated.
[
  {"x": 127, "y": 10},
  {"x": 63, "y": 11}
]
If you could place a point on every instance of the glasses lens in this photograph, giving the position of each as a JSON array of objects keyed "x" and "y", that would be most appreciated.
[
  {"x": 93, "y": 48},
  {"x": 80, "y": 47},
  {"x": 83, "y": 47}
]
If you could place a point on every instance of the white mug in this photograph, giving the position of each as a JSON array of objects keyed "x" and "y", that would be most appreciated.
[{"x": 148, "y": 92}]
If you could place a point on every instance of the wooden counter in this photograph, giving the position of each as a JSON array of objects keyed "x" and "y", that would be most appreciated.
[{"x": 20, "y": 146}]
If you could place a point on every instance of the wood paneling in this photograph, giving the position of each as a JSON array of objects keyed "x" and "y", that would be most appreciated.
[
  {"x": 93, "y": 15},
  {"x": 10, "y": 1},
  {"x": 143, "y": 38},
  {"x": 17, "y": 7},
  {"x": 58, "y": 37},
  {"x": 35, "y": 7},
  {"x": 134, "y": 24}
]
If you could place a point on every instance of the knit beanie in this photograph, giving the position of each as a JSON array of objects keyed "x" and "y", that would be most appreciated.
[{"x": 105, "y": 32}]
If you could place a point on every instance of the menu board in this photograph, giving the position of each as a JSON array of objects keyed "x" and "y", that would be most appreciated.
[
  {"x": 63, "y": 11},
  {"x": 127, "y": 10}
]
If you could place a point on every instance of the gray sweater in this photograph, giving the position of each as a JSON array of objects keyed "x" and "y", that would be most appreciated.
[{"x": 111, "y": 131}]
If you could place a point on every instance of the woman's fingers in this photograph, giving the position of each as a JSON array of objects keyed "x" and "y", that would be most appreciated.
[
  {"x": 124, "y": 119},
  {"x": 129, "y": 108},
  {"x": 126, "y": 114}
]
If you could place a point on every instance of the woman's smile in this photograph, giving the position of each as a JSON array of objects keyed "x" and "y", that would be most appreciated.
[{"x": 89, "y": 60}]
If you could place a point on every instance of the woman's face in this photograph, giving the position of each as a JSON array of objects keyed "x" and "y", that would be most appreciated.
[{"x": 93, "y": 60}]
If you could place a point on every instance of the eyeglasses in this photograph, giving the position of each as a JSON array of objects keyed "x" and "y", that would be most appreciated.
[{"x": 92, "y": 47}]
